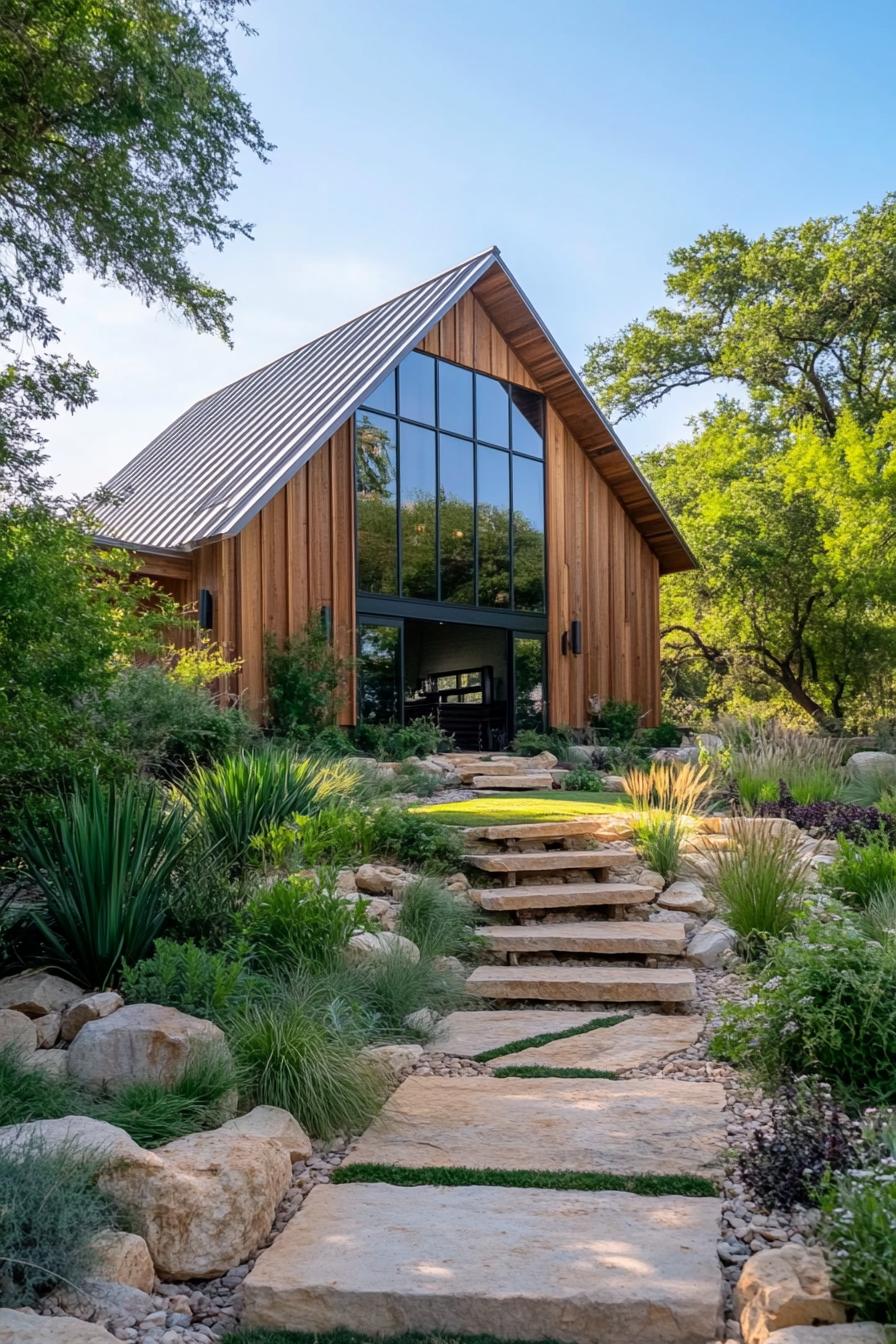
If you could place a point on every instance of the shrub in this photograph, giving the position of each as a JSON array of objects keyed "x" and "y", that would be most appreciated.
[
  {"x": 531, "y": 742},
  {"x": 298, "y": 921},
  {"x": 758, "y": 883},
  {"x": 615, "y": 721},
  {"x": 293, "y": 1051},
  {"x": 858, "y": 1222},
  {"x": 824, "y": 1003},
  {"x": 807, "y": 1136},
  {"x": 582, "y": 779},
  {"x": 808, "y": 767},
  {"x": 394, "y": 741},
  {"x": 338, "y": 836},
  {"x": 203, "y": 900},
  {"x": 665, "y": 734},
  {"x": 166, "y": 725},
  {"x": 51, "y": 1208},
  {"x": 862, "y": 872},
  {"x": 153, "y": 1114},
  {"x": 246, "y": 794},
  {"x": 332, "y": 742},
  {"x": 831, "y": 820},
  {"x": 390, "y": 988},
  {"x": 440, "y": 922},
  {"x": 414, "y": 839},
  {"x": 104, "y": 867},
  {"x": 189, "y": 977},
  {"x": 306, "y": 683}
]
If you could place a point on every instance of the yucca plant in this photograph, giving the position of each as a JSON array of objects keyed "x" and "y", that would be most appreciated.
[
  {"x": 103, "y": 863},
  {"x": 664, "y": 797},
  {"x": 758, "y": 882},
  {"x": 247, "y": 794}
]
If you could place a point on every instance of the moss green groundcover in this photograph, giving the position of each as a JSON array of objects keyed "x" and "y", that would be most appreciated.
[
  {"x": 642, "y": 1184},
  {"x": 537, "y": 805}
]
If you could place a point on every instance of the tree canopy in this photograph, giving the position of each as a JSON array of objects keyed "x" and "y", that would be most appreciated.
[
  {"x": 120, "y": 134},
  {"x": 786, "y": 488}
]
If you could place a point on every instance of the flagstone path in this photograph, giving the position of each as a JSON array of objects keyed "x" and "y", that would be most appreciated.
[{"x": 429, "y": 1232}]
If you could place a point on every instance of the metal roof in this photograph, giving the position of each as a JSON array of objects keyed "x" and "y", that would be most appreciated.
[{"x": 210, "y": 472}]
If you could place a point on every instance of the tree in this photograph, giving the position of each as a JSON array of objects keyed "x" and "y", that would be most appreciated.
[
  {"x": 786, "y": 491},
  {"x": 120, "y": 131}
]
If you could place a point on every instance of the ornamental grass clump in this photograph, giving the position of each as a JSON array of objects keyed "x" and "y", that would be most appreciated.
[
  {"x": 664, "y": 797},
  {"x": 858, "y": 1224},
  {"x": 441, "y": 923},
  {"x": 823, "y": 1004},
  {"x": 758, "y": 882},
  {"x": 809, "y": 767},
  {"x": 862, "y": 872}
]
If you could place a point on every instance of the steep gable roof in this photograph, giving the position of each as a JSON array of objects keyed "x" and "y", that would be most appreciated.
[{"x": 210, "y": 472}]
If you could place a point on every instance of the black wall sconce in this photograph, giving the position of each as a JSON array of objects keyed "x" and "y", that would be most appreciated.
[
  {"x": 206, "y": 610},
  {"x": 571, "y": 639},
  {"x": 326, "y": 621}
]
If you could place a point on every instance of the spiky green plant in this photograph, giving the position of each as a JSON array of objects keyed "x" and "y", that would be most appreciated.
[
  {"x": 862, "y": 872},
  {"x": 103, "y": 863},
  {"x": 664, "y": 797},
  {"x": 439, "y": 921},
  {"x": 154, "y": 1113},
  {"x": 809, "y": 766},
  {"x": 759, "y": 882}
]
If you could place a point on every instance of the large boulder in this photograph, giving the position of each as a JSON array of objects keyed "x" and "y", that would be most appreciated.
[
  {"x": 48, "y": 1028},
  {"x": 364, "y": 948},
  {"x": 872, "y": 765},
  {"x": 37, "y": 992},
  {"x": 202, "y": 1204},
  {"x": 18, "y": 1031},
  {"x": 272, "y": 1122},
  {"x": 711, "y": 945},
  {"x": 377, "y": 879},
  {"x": 784, "y": 1287},
  {"x": 685, "y": 896},
  {"x": 123, "y": 1257},
  {"x": 89, "y": 1009},
  {"x": 26, "y": 1327},
  {"x": 143, "y": 1042}
]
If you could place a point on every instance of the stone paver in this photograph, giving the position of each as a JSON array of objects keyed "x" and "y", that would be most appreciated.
[
  {"x": 583, "y": 1268},
  {"x": 468, "y": 1034},
  {"x": 644, "y": 1039},
  {"x": 646, "y": 1125}
]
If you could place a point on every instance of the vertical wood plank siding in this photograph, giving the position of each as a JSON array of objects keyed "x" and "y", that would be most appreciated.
[{"x": 297, "y": 555}]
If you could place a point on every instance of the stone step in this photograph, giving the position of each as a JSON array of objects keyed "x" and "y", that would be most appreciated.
[
  {"x": 547, "y": 830},
  {"x": 561, "y": 895},
  {"x": 540, "y": 779},
  {"x": 599, "y": 937},
  {"x": 584, "y": 984},
  {"x": 552, "y": 861},
  {"x": 641, "y": 1039},
  {"x": 634, "y": 1127},
  {"x": 580, "y": 1267}
]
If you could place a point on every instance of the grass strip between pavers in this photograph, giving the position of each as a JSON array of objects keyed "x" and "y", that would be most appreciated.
[
  {"x": 545, "y": 1071},
  {"x": 353, "y": 1337},
  {"x": 636, "y": 1184},
  {"x": 526, "y": 1042}
]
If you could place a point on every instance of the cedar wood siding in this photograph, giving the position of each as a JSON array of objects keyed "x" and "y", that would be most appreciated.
[{"x": 297, "y": 554}]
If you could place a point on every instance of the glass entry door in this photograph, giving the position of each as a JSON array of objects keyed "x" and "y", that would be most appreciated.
[{"x": 380, "y": 671}]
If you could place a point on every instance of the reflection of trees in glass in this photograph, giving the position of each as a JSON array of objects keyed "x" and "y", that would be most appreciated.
[
  {"x": 457, "y": 557},
  {"x": 494, "y": 556},
  {"x": 528, "y": 671},
  {"x": 528, "y": 564},
  {"x": 378, "y": 666},
  {"x": 418, "y": 545},
  {"x": 377, "y": 522}
]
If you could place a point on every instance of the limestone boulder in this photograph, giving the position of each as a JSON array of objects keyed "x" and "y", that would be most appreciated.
[
  {"x": 785, "y": 1287},
  {"x": 581, "y": 755},
  {"x": 858, "y": 1332},
  {"x": 711, "y": 743},
  {"x": 26, "y": 1327},
  {"x": 393, "y": 1061},
  {"x": 685, "y": 896},
  {"x": 53, "y": 1063},
  {"x": 345, "y": 882},
  {"x": 424, "y": 1020},
  {"x": 107, "y": 1303},
  {"x": 681, "y": 755},
  {"x": 381, "y": 912},
  {"x": 48, "y": 1028},
  {"x": 613, "y": 784},
  {"x": 872, "y": 765},
  {"x": 364, "y": 948},
  {"x": 377, "y": 879},
  {"x": 123, "y": 1257},
  {"x": 646, "y": 877},
  {"x": 712, "y": 944},
  {"x": 89, "y": 1009},
  {"x": 17, "y": 1031},
  {"x": 272, "y": 1122},
  {"x": 35, "y": 993},
  {"x": 143, "y": 1042}
]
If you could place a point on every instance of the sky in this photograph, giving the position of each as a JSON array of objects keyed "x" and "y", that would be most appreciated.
[{"x": 586, "y": 138}]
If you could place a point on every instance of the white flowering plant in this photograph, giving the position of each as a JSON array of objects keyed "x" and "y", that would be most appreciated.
[{"x": 858, "y": 1226}]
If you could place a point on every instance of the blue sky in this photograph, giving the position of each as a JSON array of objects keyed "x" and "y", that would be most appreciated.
[{"x": 585, "y": 138}]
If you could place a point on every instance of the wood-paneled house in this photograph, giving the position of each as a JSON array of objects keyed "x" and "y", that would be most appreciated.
[{"x": 434, "y": 482}]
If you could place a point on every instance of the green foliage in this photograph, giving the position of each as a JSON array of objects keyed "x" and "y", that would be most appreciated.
[
  {"x": 298, "y": 921},
  {"x": 413, "y": 839},
  {"x": 245, "y": 794},
  {"x": 153, "y": 1114},
  {"x": 103, "y": 865},
  {"x": 439, "y": 921},
  {"x": 293, "y": 1050},
  {"x": 862, "y": 873},
  {"x": 338, "y": 836},
  {"x": 824, "y": 1003},
  {"x": 531, "y": 742},
  {"x": 51, "y": 1210},
  {"x": 658, "y": 840},
  {"x": 332, "y": 741},
  {"x": 30, "y": 1094},
  {"x": 165, "y": 725},
  {"x": 389, "y": 988},
  {"x": 412, "y": 778},
  {"x": 306, "y": 683},
  {"x": 645, "y": 1184},
  {"x": 399, "y": 742},
  {"x": 545, "y": 1071},
  {"x": 582, "y": 779},
  {"x": 858, "y": 1222},
  {"x": 615, "y": 721},
  {"x": 772, "y": 758},
  {"x": 759, "y": 882},
  {"x": 665, "y": 734},
  {"x": 203, "y": 900},
  {"x": 121, "y": 142},
  {"x": 189, "y": 977}
]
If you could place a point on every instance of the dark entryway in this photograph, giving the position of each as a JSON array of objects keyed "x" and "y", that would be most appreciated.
[{"x": 480, "y": 683}]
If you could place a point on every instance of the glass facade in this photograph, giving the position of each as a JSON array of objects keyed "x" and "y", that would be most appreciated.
[{"x": 449, "y": 470}]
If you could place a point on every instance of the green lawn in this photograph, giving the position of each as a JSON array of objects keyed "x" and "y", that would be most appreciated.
[{"x": 532, "y": 805}]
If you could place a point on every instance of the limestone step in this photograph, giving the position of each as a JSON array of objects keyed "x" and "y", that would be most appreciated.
[
  {"x": 561, "y": 895},
  {"x": 552, "y": 861},
  {"x": 540, "y": 779},
  {"x": 549, "y": 830},
  {"x": 584, "y": 984},
  {"x": 580, "y": 1267},
  {"x": 645, "y": 1126},
  {"x": 641, "y": 1039},
  {"x": 599, "y": 937}
]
